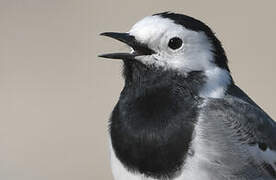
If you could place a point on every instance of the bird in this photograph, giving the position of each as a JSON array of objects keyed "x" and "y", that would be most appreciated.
[{"x": 180, "y": 115}]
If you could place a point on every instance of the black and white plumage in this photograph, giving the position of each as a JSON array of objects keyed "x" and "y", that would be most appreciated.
[{"x": 180, "y": 116}]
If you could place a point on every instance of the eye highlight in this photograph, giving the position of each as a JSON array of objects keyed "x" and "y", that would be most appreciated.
[{"x": 175, "y": 43}]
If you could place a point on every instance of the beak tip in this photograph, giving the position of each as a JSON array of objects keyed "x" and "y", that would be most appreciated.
[
  {"x": 102, "y": 56},
  {"x": 108, "y": 34},
  {"x": 102, "y": 34}
]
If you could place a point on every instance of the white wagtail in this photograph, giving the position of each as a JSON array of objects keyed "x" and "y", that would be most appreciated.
[{"x": 180, "y": 116}]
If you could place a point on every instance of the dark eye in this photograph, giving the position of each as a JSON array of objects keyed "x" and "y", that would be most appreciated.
[{"x": 175, "y": 43}]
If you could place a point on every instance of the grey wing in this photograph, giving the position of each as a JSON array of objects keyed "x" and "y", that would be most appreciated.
[
  {"x": 235, "y": 94},
  {"x": 243, "y": 136},
  {"x": 235, "y": 91}
]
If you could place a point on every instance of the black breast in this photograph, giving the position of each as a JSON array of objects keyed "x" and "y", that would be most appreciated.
[{"x": 151, "y": 133}]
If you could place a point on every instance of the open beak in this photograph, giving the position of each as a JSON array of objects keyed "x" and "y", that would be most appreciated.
[{"x": 138, "y": 48}]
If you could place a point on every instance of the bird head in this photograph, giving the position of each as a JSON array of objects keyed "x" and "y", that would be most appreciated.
[{"x": 170, "y": 42}]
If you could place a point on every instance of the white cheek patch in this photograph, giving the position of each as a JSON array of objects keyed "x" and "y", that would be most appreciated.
[{"x": 196, "y": 54}]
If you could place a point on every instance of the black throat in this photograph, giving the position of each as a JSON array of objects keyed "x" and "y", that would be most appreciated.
[{"x": 152, "y": 125}]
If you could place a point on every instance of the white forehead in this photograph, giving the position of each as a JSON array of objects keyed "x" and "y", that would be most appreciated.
[{"x": 152, "y": 27}]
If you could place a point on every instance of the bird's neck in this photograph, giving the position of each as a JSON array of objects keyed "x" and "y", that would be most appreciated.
[
  {"x": 141, "y": 80},
  {"x": 152, "y": 124},
  {"x": 217, "y": 82}
]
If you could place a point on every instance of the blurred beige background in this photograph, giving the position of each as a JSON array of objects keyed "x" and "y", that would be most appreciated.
[{"x": 56, "y": 94}]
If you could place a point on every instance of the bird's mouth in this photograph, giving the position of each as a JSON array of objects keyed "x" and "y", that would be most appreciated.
[{"x": 139, "y": 49}]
